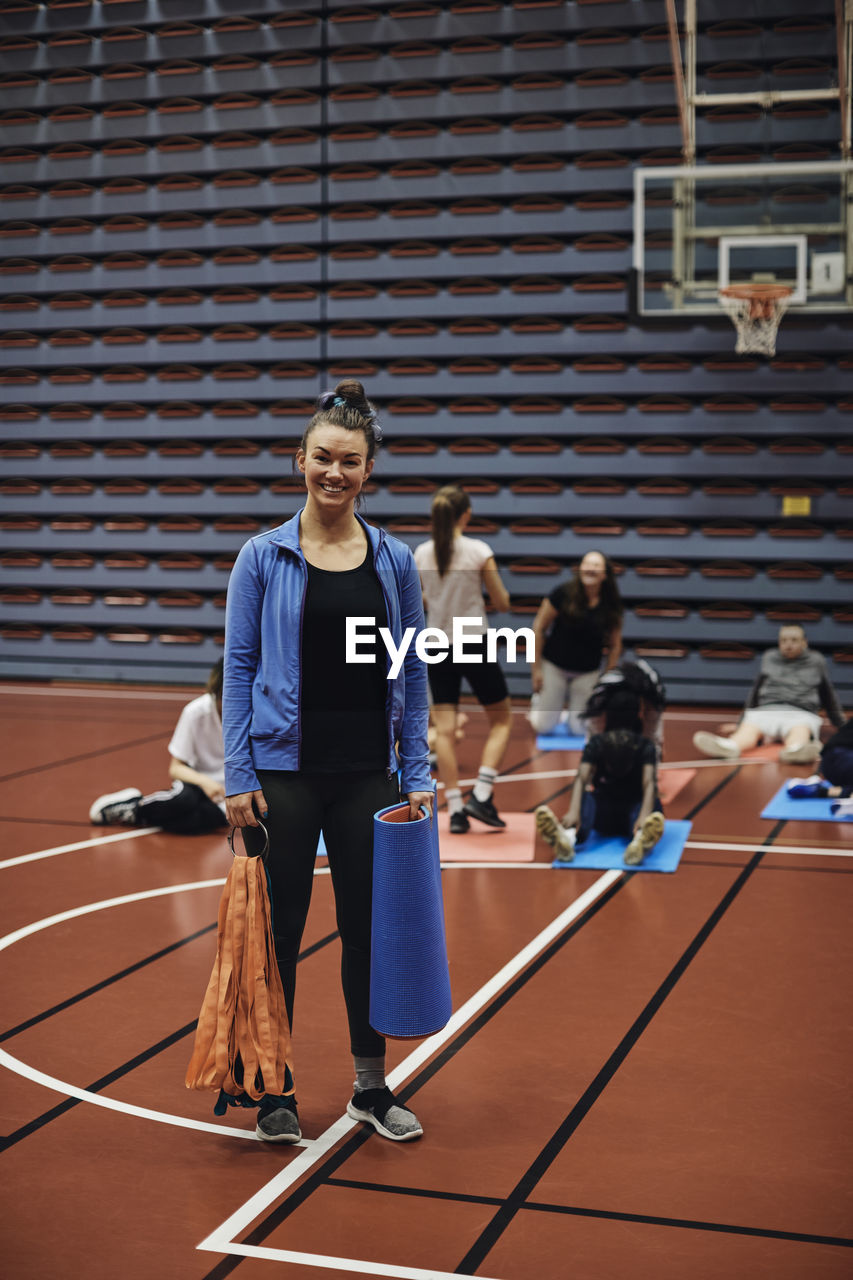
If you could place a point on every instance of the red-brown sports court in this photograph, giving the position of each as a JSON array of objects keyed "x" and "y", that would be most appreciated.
[
  {"x": 645, "y": 1074},
  {"x": 592, "y": 260}
]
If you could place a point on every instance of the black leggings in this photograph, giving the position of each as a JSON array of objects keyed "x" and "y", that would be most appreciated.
[
  {"x": 185, "y": 810},
  {"x": 836, "y": 765},
  {"x": 341, "y": 805}
]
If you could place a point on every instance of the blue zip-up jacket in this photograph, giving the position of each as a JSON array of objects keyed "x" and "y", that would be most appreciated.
[{"x": 263, "y": 642}]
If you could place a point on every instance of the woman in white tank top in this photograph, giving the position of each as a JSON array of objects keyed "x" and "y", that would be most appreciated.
[{"x": 454, "y": 571}]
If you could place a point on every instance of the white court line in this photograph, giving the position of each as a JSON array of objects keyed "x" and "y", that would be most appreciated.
[
  {"x": 80, "y": 844},
  {"x": 85, "y": 1095},
  {"x": 547, "y": 776},
  {"x": 719, "y": 847},
  {"x": 112, "y": 1104},
  {"x": 501, "y": 866},
  {"x": 139, "y": 695},
  {"x": 366, "y": 1267},
  {"x": 667, "y": 715},
  {"x": 221, "y": 1240}
]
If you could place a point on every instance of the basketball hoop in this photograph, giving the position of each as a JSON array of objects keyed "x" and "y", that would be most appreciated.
[{"x": 756, "y": 311}]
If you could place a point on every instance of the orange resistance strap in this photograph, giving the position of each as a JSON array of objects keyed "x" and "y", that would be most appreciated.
[{"x": 242, "y": 1041}]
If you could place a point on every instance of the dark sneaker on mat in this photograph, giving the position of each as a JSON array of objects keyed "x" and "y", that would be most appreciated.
[
  {"x": 278, "y": 1121},
  {"x": 116, "y": 809},
  {"x": 389, "y": 1117},
  {"x": 483, "y": 811},
  {"x": 459, "y": 823}
]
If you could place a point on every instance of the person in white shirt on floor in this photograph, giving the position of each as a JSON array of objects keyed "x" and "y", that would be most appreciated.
[{"x": 195, "y": 804}]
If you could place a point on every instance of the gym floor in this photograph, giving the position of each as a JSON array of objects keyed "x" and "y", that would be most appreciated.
[{"x": 647, "y": 1075}]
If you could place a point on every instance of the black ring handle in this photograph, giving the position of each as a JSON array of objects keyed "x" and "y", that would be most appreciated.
[{"x": 263, "y": 852}]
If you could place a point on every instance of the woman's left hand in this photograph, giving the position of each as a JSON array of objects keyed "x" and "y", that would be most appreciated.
[{"x": 419, "y": 800}]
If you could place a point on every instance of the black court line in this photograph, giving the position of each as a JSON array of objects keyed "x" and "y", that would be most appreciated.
[
  {"x": 512, "y": 771},
  {"x": 110, "y": 1078},
  {"x": 322, "y": 1175},
  {"x": 47, "y": 822},
  {"x": 578, "y": 1211},
  {"x": 697, "y": 808},
  {"x": 715, "y": 791},
  {"x": 554, "y": 794},
  {"x": 145, "y": 1056},
  {"x": 524, "y": 1187},
  {"x": 107, "y": 982},
  {"x": 87, "y": 755},
  {"x": 727, "y": 1228}
]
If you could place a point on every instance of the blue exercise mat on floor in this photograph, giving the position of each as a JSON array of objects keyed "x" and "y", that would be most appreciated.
[
  {"x": 606, "y": 852},
  {"x": 559, "y": 739},
  {"x": 782, "y": 806},
  {"x": 409, "y": 977}
]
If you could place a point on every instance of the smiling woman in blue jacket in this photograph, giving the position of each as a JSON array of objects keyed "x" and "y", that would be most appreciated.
[{"x": 312, "y": 742}]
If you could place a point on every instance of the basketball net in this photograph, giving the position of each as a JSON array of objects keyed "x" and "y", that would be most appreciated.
[{"x": 756, "y": 311}]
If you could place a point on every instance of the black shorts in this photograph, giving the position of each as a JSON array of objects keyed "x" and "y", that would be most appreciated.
[{"x": 486, "y": 679}]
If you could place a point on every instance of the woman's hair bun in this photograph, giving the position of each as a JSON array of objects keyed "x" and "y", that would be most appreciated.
[{"x": 350, "y": 394}]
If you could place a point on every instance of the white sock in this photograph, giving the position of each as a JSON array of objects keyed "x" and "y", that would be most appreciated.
[
  {"x": 455, "y": 803},
  {"x": 485, "y": 784}
]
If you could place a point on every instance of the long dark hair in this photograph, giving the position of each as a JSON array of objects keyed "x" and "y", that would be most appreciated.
[
  {"x": 448, "y": 505},
  {"x": 610, "y": 601}
]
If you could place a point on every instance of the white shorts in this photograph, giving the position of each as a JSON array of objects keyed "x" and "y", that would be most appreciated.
[{"x": 777, "y": 720}]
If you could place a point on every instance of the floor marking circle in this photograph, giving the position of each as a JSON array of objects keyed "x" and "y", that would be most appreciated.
[{"x": 85, "y": 1095}]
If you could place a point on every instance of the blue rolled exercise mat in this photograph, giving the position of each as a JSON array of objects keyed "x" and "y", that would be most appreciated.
[
  {"x": 782, "y": 806},
  {"x": 409, "y": 977},
  {"x": 607, "y": 852}
]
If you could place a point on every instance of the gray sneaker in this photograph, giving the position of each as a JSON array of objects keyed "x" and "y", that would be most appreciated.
[
  {"x": 389, "y": 1117},
  {"x": 279, "y": 1123}
]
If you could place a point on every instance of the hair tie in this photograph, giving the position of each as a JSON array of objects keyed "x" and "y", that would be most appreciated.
[{"x": 331, "y": 400}]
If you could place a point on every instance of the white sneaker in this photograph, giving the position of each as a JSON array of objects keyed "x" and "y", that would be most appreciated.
[
  {"x": 117, "y": 809},
  {"x": 711, "y": 744},
  {"x": 800, "y": 755}
]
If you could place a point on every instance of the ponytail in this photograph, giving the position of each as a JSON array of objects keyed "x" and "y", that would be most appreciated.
[{"x": 448, "y": 505}]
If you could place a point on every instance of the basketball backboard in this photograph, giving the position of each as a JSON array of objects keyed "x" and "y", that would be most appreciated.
[{"x": 700, "y": 228}]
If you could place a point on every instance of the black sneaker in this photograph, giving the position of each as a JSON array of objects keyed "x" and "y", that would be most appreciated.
[
  {"x": 278, "y": 1121},
  {"x": 389, "y": 1117},
  {"x": 459, "y": 823},
  {"x": 483, "y": 811},
  {"x": 117, "y": 809}
]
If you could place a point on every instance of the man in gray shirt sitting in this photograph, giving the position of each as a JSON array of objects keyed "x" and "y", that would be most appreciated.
[{"x": 783, "y": 706}]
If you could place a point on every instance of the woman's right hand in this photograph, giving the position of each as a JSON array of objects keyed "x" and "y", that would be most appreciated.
[
  {"x": 536, "y": 680},
  {"x": 239, "y": 809}
]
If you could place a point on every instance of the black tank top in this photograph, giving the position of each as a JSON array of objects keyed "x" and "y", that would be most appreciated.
[{"x": 343, "y": 705}]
